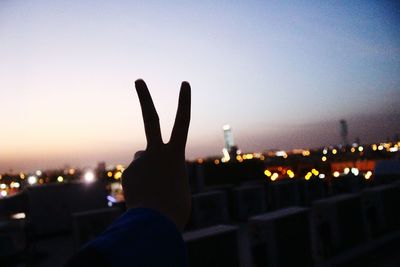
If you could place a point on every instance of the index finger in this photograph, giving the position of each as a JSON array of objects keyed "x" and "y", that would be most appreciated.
[{"x": 149, "y": 113}]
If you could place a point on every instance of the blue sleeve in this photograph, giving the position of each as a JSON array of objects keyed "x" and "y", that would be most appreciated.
[{"x": 140, "y": 237}]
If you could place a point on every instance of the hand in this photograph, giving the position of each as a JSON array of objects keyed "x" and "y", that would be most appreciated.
[{"x": 157, "y": 177}]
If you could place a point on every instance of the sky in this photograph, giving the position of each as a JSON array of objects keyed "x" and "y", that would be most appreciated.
[{"x": 281, "y": 73}]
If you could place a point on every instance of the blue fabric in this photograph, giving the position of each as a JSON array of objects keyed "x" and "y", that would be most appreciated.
[{"x": 141, "y": 237}]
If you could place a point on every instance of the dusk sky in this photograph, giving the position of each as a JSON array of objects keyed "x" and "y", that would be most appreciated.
[{"x": 282, "y": 74}]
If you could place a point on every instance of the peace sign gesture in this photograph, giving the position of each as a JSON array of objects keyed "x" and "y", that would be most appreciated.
[{"x": 157, "y": 177}]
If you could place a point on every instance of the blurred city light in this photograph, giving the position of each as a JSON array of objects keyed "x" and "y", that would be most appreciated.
[
  {"x": 89, "y": 177},
  {"x": 355, "y": 171},
  {"x": 315, "y": 172},
  {"x": 32, "y": 180},
  {"x": 15, "y": 185},
  {"x": 249, "y": 156},
  {"x": 368, "y": 175},
  {"x": 281, "y": 154},
  {"x": 274, "y": 176},
  {"x": 117, "y": 175},
  {"x": 267, "y": 173},
  {"x": 18, "y": 216},
  {"x": 111, "y": 199}
]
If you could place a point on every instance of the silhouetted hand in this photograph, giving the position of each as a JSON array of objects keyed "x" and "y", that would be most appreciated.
[{"x": 157, "y": 177}]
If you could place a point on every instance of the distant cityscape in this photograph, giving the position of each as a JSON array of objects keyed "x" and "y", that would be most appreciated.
[{"x": 328, "y": 162}]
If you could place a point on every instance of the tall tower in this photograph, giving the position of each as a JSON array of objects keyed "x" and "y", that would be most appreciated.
[
  {"x": 228, "y": 137},
  {"x": 229, "y": 150},
  {"x": 344, "y": 132}
]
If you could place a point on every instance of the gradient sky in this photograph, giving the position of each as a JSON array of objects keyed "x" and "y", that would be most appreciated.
[{"x": 282, "y": 74}]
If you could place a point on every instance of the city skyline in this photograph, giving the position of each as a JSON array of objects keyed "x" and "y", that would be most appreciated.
[{"x": 281, "y": 74}]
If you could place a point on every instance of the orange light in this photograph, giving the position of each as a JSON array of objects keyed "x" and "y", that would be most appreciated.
[
  {"x": 119, "y": 167},
  {"x": 315, "y": 172},
  {"x": 117, "y": 175}
]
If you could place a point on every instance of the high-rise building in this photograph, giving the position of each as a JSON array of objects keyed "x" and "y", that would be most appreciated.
[
  {"x": 344, "y": 132},
  {"x": 229, "y": 150},
  {"x": 228, "y": 137}
]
